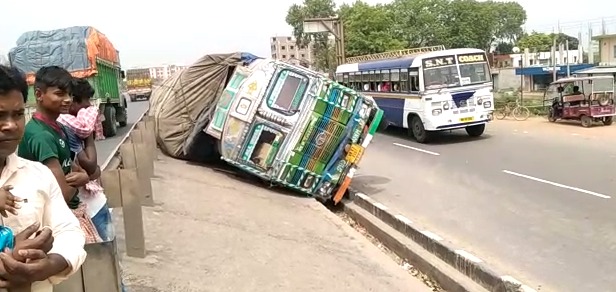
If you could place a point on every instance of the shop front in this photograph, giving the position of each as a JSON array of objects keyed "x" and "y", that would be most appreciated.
[{"x": 537, "y": 78}]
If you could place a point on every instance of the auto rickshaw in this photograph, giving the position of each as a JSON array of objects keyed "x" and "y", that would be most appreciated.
[{"x": 586, "y": 99}]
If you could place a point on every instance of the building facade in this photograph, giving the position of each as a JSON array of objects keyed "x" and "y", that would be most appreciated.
[
  {"x": 285, "y": 48},
  {"x": 606, "y": 46},
  {"x": 534, "y": 71}
]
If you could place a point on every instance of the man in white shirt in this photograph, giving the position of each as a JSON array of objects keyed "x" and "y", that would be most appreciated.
[{"x": 34, "y": 262}]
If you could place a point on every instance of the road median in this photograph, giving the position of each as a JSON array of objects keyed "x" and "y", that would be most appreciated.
[{"x": 430, "y": 253}]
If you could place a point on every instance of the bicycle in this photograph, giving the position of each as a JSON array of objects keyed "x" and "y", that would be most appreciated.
[{"x": 514, "y": 109}]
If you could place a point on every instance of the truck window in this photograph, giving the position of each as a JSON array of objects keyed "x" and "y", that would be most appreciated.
[{"x": 288, "y": 92}]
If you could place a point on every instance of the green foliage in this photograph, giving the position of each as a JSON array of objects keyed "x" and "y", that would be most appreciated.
[
  {"x": 412, "y": 23},
  {"x": 368, "y": 29},
  {"x": 543, "y": 41}
]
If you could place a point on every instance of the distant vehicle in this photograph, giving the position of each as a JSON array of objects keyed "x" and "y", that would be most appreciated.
[
  {"x": 426, "y": 89},
  {"x": 139, "y": 84},
  {"x": 585, "y": 99},
  {"x": 86, "y": 53}
]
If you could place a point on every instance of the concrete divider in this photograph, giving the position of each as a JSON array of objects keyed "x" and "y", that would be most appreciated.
[
  {"x": 126, "y": 178},
  {"x": 462, "y": 261}
]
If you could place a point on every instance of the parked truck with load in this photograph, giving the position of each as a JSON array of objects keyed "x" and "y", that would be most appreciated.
[
  {"x": 86, "y": 53},
  {"x": 139, "y": 84}
]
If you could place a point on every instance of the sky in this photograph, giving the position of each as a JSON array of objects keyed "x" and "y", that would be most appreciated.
[{"x": 149, "y": 33}]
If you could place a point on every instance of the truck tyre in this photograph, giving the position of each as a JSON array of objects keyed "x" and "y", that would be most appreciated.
[
  {"x": 416, "y": 128},
  {"x": 110, "y": 127},
  {"x": 476, "y": 130},
  {"x": 122, "y": 116}
]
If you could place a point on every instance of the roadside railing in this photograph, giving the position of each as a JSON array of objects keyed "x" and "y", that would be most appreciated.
[{"x": 126, "y": 178}]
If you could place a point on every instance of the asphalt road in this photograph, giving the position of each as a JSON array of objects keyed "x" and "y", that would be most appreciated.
[
  {"x": 533, "y": 199},
  {"x": 105, "y": 147}
]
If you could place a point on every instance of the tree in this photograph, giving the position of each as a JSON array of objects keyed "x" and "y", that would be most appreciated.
[
  {"x": 420, "y": 22},
  {"x": 368, "y": 29},
  {"x": 510, "y": 17},
  {"x": 473, "y": 24},
  {"x": 536, "y": 40},
  {"x": 543, "y": 42},
  {"x": 504, "y": 48},
  {"x": 562, "y": 38},
  {"x": 312, "y": 9},
  {"x": 457, "y": 23}
]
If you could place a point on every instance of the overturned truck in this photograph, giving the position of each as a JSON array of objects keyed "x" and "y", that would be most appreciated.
[{"x": 286, "y": 124}]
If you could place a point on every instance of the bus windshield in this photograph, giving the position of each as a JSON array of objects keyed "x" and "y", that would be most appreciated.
[
  {"x": 454, "y": 71},
  {"x": 441, "y": 77}
]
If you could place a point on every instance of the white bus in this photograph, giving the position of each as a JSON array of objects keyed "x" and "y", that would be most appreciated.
[{"x": 426, "y": 89}]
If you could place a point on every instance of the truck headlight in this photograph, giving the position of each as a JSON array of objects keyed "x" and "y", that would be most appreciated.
[
  {"x": 479, "y": 101},
  {"x": 436, "y": 112},
  {"x": 487, "y": 104},
  {"x": 446, "y": 106}
]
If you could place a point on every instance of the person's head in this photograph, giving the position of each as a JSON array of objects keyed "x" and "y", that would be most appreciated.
[
  {"x": 13, "y": 95},
  {"x": 576, "y": 88},
  {"x": 82, "y": 92},
  {"x": 52, "y": 88}
]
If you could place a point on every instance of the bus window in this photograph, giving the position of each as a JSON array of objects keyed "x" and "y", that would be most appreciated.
[
  {"x": 372, "y": 81},
  {"x": 339, "y": 78},
  {"x": 446, "y": 76},
  {"x": 345, "y": 79},
  {"x": 474, "y": 73},
  {"x": 352, "y": 80},
  {"x": 365, "y": 81},
  {"x": 395, "y": 80},
  {"x": 414, "y": 79},
  {"x": 386, "y": 82},
  {"x": 404, "y": 80}
]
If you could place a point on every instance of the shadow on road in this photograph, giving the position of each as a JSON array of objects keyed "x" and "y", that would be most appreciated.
[
  {"x": 369, "y": 184},
  {"x": 439, "y": 138}
]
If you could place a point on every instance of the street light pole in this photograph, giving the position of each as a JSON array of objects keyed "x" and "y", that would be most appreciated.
[{"x": 522, "y": 80}]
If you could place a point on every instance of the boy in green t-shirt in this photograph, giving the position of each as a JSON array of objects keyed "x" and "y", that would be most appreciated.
[{"x": 45, "y": 140}]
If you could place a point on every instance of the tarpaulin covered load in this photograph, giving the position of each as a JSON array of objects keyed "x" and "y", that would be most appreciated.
[
  {"x": 75, "y": 49},
  {"x": 182, "y": 104}
]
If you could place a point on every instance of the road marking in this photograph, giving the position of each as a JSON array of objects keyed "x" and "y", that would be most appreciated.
[
  {"x": 469, "y": 256},
  {"x": 416, "y": 149},
  {"x": 557, "y": 184}
]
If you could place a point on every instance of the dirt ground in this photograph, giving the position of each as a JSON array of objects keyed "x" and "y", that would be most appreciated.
[{"x": 211, "y": 231}]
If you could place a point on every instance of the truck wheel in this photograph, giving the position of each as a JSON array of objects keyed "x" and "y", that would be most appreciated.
[
  {"x": 121, "y": 116},
  {"x": 418, "y": 131},
  {"x": 110, "y": 127}
]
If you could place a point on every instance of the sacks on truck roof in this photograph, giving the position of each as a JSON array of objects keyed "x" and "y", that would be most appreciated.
[
  {"x": 74, "y": 48},
  {"x": 182, "y": 104}
]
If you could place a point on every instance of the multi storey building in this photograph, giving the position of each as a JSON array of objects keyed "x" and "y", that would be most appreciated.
[{"x": 285, "y": 48}]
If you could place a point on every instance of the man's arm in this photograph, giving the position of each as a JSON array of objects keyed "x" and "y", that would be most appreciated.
[
  {"x": 67, "y": 254},
  {"x": 44, "y": 148}
]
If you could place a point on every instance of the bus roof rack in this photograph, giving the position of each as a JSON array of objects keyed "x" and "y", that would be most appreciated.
[{"x": 395, "y": 54}]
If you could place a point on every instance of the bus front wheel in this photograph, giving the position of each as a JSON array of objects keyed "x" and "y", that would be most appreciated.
[
  {"x": 476, "y": 130},
  {"x": 416, "y": 128}
]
